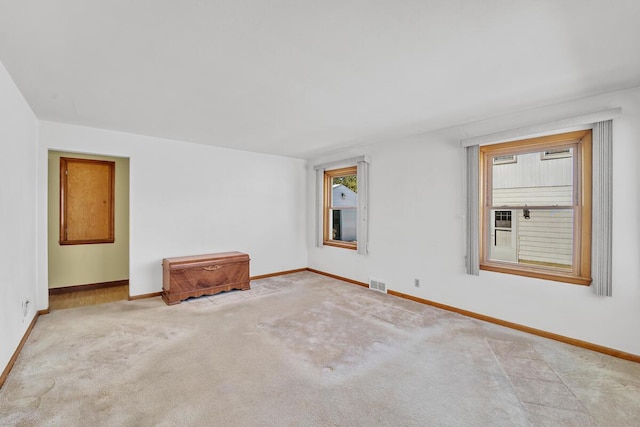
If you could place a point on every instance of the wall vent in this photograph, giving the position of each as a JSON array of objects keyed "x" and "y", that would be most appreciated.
[{"x": 377, "y": 285}]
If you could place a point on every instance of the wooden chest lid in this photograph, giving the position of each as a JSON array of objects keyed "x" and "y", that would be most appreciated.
[{"x": 192, "y": 260}]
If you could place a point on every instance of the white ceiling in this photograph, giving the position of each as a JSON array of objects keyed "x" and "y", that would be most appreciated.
[{"x": 303, "y": 78}]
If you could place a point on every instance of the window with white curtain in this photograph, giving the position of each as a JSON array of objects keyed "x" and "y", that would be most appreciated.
[{"x": 591, "y": 174}]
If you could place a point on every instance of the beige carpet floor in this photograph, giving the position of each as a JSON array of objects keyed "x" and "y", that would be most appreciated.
[{"x": 305, "y": 350}]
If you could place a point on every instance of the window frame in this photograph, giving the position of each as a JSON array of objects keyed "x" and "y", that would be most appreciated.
[
  {"x": 582, "y": 186},
  {"x": 328, "y": 208},
  {"x": 107, "y": 210}
]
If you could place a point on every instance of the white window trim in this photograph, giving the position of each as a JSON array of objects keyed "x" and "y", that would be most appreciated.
[{"x": 585, "y": 121}]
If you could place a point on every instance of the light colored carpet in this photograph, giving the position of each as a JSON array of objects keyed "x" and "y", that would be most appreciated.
[{"x": 305, "y": 350}]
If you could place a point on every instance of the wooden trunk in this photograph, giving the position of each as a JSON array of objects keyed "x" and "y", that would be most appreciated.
[{"x": 194, "y": 276}]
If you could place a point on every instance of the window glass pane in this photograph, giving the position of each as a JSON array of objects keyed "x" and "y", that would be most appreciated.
[
  {"x": 344, "y": 191},
  {"x": 541, "y": 237},
  {"x": 503, "y": 219},
  {"x": 344, "y": 202},
  {"x": 343, "y": 224},
  {"x": 533, "y": 182},
  {"x": 341, "y": 209}
]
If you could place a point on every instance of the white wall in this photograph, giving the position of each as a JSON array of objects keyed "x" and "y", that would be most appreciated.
[
  {"x": 417, "y": 231},
  {"x": 18, "y": 139},
  {"x": 188, "y": 199}
]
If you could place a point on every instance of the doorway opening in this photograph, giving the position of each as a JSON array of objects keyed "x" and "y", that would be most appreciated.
[{"x": 95, "y": 271}]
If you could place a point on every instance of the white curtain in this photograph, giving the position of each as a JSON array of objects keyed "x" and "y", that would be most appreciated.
[
  {"x": 319, "y": 226},
  {"x": 472, "y": 258},
  {"x": 363, "y": 207},
  {"x": 601, "y": 241}
]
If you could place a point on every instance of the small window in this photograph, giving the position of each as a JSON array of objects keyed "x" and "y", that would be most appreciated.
[
  {"x": 504, "y": 160},
  {"x": 86, "y": 201},
  {"x": 503, "y": 219},
  {"x": 559, "y": 153},
  {"x": 341, "y": 207},
  {"x": 536, "y": 215}
]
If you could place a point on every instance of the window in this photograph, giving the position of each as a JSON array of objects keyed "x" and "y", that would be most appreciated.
[
  {"x": 341, "y": 207},
  {"x": 559, "y": 153},
  {"x": 503, "y": 219},
  {"x": 503, "y": 160},
  {"x": 86, "y": 201},
  {"x": 535, "y": 215}
]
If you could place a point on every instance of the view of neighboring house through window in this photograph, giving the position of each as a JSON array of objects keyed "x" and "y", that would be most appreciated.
[
  {"x": 536, "y": 212},
  {"x": 341, "y": 207},
  {"x": 501, "y": 160}
]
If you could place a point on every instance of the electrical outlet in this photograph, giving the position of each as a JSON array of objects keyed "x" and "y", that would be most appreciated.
[{"x": 416, "y": 283}]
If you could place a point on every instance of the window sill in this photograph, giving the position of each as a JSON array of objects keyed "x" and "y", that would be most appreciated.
[
  {"x": 85, "y": 242},
  {"x": 536, "y": 273},
  {"x": 345, "y": 245}
]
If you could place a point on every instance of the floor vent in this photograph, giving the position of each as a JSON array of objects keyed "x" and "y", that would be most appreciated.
[{"x": 377, "y": 285}]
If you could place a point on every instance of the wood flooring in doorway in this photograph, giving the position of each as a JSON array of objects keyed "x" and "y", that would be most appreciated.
[{"x": 88, "y": 297}]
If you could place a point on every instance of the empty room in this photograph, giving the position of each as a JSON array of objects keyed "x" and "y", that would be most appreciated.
[{"x": 296, "y": 213}]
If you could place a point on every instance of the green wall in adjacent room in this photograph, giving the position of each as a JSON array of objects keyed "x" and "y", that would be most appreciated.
[{"x": 72, "y": 265}]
